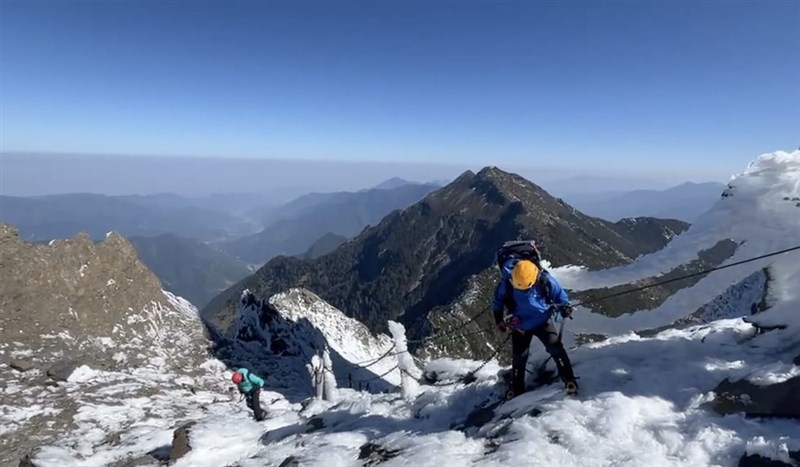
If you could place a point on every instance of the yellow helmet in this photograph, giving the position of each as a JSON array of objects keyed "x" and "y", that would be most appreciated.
[{"x": 524, "y": 275}]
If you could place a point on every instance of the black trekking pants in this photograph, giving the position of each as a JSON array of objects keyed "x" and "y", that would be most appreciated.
[
  {"x": 254, "y": 403},
  {"x": 521, "y": 342}
]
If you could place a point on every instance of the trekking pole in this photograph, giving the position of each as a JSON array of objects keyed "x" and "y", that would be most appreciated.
[
  {"x": 541, "y": 367},
  {"x": 563, "y": 322}
]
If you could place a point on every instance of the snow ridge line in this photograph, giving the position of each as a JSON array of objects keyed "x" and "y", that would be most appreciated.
[{"x": 687, "y": 276}]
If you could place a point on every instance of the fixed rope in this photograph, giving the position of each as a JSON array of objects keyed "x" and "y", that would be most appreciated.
[
  {"x": 470, "y": 376},
  {"x": 369, "y": 363},
  {"x": 685, "y": 276},
  {"x": 449, "y": 336},
  {"x": 466, "y": 323}
]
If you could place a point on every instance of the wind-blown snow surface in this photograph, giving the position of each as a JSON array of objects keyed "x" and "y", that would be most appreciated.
[
  {"x": 642, "y": 403},
  {"x": 760, "y": 210}
]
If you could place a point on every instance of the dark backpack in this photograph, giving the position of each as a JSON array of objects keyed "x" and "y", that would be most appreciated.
[
  {"x": 522, "y": 249},
  {"x": 519, "y": 249}
]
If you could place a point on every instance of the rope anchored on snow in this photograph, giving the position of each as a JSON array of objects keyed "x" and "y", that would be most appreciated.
[
  {"x": 685, "y": 276},
  {"x": 453, "y": 334}
]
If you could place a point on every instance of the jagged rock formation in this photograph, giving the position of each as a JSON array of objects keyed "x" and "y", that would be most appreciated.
[
  {"x": 71, "y": 309},
  {"x": 85, "y": 298},
  {"x": 774, "y": 400},
  {"x": 279, "y": 335}
]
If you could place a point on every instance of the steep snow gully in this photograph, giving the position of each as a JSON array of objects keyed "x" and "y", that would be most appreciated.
[{"x": 725, "y": 392}]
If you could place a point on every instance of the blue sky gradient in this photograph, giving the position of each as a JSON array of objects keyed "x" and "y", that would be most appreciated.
[{"x": 649, "y": 86}]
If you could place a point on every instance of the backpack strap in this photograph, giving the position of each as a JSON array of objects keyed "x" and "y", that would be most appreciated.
[{"x": 547, "y": 287}]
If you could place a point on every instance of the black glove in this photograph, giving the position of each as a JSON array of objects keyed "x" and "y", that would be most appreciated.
[
  {"x": 498, "y": 320},
  {"x": 565, "y": 311},
  {"x": 498, "y": 316}
]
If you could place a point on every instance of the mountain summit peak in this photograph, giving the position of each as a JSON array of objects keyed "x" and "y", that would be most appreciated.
[
  {"x": 421, "y": 258},
  {"x": 491, "y": 170}
]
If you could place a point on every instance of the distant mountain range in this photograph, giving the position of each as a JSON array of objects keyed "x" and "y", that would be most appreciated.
[
  {"x": 198, "y": 247},
  {"x": 189, "y": 268},
  {"x": 392, "y": 183},
  {"x": 174, "y": 235},
  {"x": 44, "y": 218},
  {"x": 685, "y": 202},
  {"x": 294, "y": 227}
]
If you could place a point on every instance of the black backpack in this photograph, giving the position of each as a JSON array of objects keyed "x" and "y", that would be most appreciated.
[
  {"x": 522, "y": 249},
  {"x": 519, "y": 249}
]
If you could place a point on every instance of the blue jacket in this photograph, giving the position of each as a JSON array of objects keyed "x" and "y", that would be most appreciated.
[
  {"x": 249, "y": 382},
  {"x": 531, "y": 307}
]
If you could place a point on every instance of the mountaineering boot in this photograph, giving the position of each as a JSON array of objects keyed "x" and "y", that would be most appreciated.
[{"x": 571, "y": 387}]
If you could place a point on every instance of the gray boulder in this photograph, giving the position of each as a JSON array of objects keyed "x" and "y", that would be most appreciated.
[
  {"x": 62, "y": 369},
  {"x": 180, "y": 442},
  {"x": 775, "y": 400}
]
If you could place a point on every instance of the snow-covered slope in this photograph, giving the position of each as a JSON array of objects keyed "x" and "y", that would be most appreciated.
[
  {"x": 312, "y": 324},
  {"x": 90, "y": 389},
  {"x": 280, "y": 335},
  {"x": 83, "y": 326},
  {"x": 644, "y": 401},
  {"x": 760, "y": 210},
  {"x": 128, "y": 414}
]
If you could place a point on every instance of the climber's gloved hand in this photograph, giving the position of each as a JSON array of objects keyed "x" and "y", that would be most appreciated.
[{"x": 563, "y": 311}]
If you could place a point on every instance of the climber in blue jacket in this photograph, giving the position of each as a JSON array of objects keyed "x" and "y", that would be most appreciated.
[
  {"x": 531, "y": 296},
  {"x": 250, "y": 385}
]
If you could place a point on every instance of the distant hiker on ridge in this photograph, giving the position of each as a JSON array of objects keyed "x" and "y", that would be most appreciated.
[
  {"x": 249, "y": 384},
  {"x": 531, "y": 296}
]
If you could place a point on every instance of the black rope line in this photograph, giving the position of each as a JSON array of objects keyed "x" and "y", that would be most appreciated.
[
  {"x": 452, "y": 331},
  {"x": 449, "y": 335},
  {"x": 369, "y": 363},
  {"x": 471, "y": 374},
  {"x": 379, "y": 376},
  {"x": 686, "y": 276}
]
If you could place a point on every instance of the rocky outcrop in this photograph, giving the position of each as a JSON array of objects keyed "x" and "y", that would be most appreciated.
[
  {"x": 180, "y": 442},
  {"x": 295, "y": 326},
  {"x": 70, "y": 285},
  {"x": 20, "y": 365},
  {"x": 290, "y": 461},
  {"x": 74, "y": 297},
  {"x": 62, "y": 369},
  {"x": 373, "y": 454},
  {"x": 27, "y": 462},
  {"x": 775, "y": 400},
  {"x": 70, "y": 311},
  {"x": 756, "y": 460}
]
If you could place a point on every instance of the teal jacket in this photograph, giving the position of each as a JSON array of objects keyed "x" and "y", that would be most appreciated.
[{"x": 250, "y": 381}]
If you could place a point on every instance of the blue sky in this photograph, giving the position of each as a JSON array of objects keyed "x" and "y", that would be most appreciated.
[{"x": 688, "y": 87}]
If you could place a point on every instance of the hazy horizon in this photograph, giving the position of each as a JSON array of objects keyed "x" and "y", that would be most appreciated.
[
  {"x": 671, "y": 91},
  {"x": 36, "y": 174}
]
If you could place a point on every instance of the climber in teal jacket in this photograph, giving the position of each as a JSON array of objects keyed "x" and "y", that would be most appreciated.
[{"x": 249, "y": 384}]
